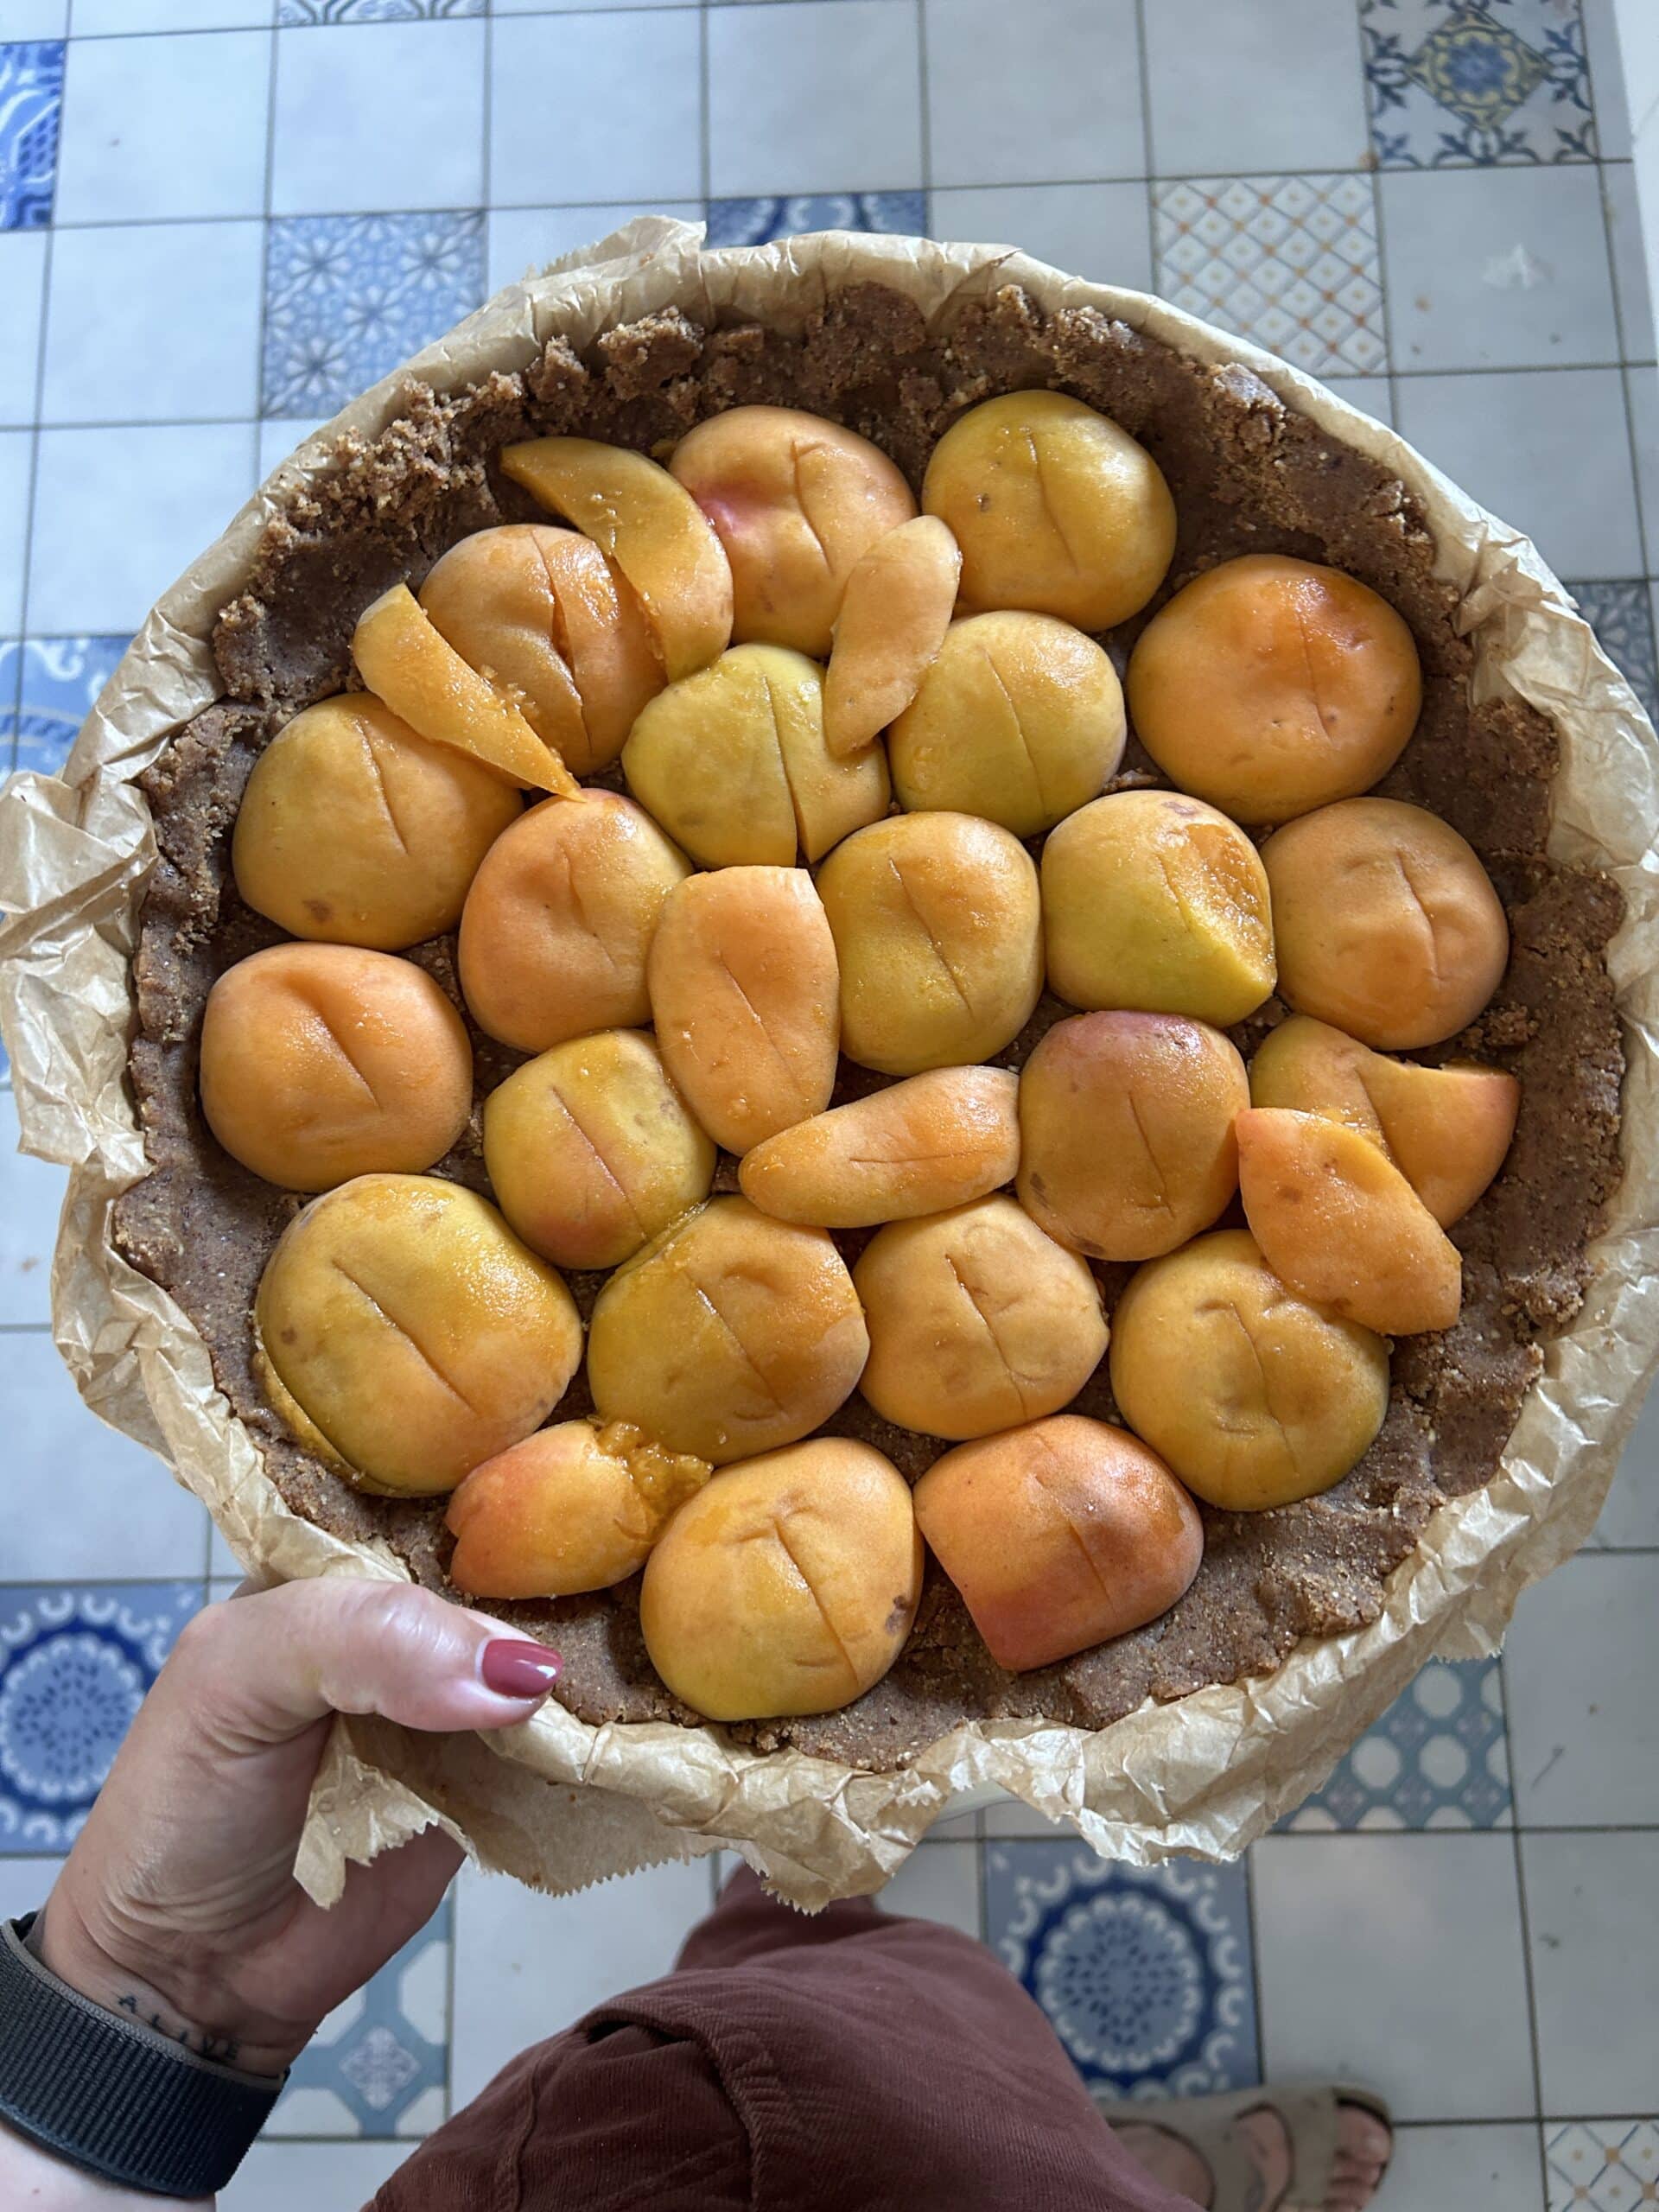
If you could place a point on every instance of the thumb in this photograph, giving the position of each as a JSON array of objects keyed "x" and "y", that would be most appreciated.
[{"x": 267, "y": 1667}]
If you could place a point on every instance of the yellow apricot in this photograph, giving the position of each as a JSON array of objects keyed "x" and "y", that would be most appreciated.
[{"x": 894, "y": 613}]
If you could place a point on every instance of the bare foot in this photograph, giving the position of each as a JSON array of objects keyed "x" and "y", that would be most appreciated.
[{"x": 1363, "y": 2146}]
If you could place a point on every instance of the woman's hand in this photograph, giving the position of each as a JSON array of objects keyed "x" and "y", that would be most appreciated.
[{"x": 178, "y": 1903}]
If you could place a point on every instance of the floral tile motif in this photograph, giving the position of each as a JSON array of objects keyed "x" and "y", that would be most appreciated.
[
  {"x": 1438, "y": 1759},
  {"x": 751, "y": 222},
  {"x": 373, "y": 11},
  {"x": 347, "y": 297},
  {"x": 1145, "y": 1971},
  {"x": 1621, "y": 614},
  {"x": 1603, "y": 2165},
  {"x": 1455, "y": 84},
  {"x": 62, "y": 678},
  {"x": 379, "y": 2065},
  {"x": 31, "y": 105},
  {"x": 75, "y": 1666},
  {"x": 1292, "y": 262}
]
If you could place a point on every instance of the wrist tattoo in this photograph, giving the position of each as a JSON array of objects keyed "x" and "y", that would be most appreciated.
[{"x": 205, "y": 2043}]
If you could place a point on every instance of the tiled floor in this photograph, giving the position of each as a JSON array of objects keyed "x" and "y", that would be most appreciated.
[{"x": 218, "y": 219}]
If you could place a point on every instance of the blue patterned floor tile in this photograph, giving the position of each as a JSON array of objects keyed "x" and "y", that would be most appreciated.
[
  {"x": 62, "y": 678},
  {"x": 379, "y": 2065},
  {"x": 1621, "y": 614},
  {"x": 75, "y": 1663},
  {"x": 374, "y": 11},
  {"x": 11, "y": 655},
  {"x": 31, "y": 108},
  {"x": 1602, "y": 2165},
  {"x": 751, "y": 222},
  {"x": 1438, "y": 1759},
  {"x": 347, "y": 297},
  {"x": 1145, "y": 1971},
  {"x": 1465, "y": 83}
]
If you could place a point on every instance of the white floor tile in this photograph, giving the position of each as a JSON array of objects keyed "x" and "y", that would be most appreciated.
[
  {"x": 93, "y": 16},
  {"x": 1497, "y": 268},
  {"x": 1101, "y": 231},
  {"x": 1395, "y": 1961},
  {"x": 1015, "y": 1819},
  {"x": 32, "y": 19},
  {"x": 185, "y": 298},
  {"x": 277, "y": 439},
  {"x": 813, "y": 96},
  {"x": 31, "y": 1196},
  {"x": 939, "y": 1882},
  {"x": 526, "y": 238},
  {"x": 527, "y": 1966},
  {"x": 22, "y": 294},
  {"x": 539, "y": 6},
  {"x": 630, "y": 123},
  {"x": 1601, "y": 41},
  {"x": 117, "y": 1512},
  {"x": 1629, "y": 261},
  {"x": 129, "y": 106},
  {"x": 1642, "y": 391},
  {"x": 17, "y": 448},
  {"x": 1595, "y": 1965},
  {"x": 1578, "y": 1679},
  {"x": 1463, "y": 2170},
  {"x": 1225, "y": 100},
  {"x": 25, "y": 1884},
  {"x": 1024, "y": 95},
  {"x": 1371, "y": 395},
  {"x": 1546, "y": 449},
  {"x": 327, "y": 2177},
  {"x": 150, "y": 498},
  {"x": 1631, "y": 1516},
  {"x": 375, "y": 116}
]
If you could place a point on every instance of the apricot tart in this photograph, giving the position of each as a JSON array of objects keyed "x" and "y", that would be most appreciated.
[{"x": 861, "y": 1020}]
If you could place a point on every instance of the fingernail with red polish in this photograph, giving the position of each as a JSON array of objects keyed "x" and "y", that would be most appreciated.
[{"x": 512, "y": 1668}]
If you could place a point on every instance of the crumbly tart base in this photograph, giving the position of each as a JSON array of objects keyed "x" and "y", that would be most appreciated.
[{"x": 1248, "y": 474}]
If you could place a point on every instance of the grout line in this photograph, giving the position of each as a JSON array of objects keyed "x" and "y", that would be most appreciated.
[
  {"x": 924, "y": 85},
  {"x": 1144, "y": 69},
  {"x": 1246, "y": 1863},
  {"x": 32, "y": 487},
  {"x": 705, "y": 157},
  {"x": 487, "y": 110},
  {"x": 1532, "y": 2000},
  {"x": 453, "y": 1894}
]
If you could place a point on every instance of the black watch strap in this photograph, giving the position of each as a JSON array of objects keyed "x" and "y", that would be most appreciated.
[{"x": 112, "y": 2095}]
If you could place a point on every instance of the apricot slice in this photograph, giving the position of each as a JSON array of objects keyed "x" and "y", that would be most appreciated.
[
  {"x": 935, "y": 1141},
  {"x": 1155, "y": 901},
  {"x": 1446, "y": 1129},
  {"x": 1254, "y": 1396},
  {"x": 421, "y": 677},
  {"x": 656, "y": 533},
  {"x": 541, "y": 613},
  {"x": 976, "y": 1319},
  {"x": 591, "y": 1151},
  {"x": 938, "y": 930},
  {"x": 559, "y": 920},
  {"x": 743, "y": 988},
  {"x": 787, "y": 1585},
  {"x": 1058, "y": 1534},
  {"x": 796, "y": 501},
  {"x": 1270, "y": 685},
  {"x": 1019, "y": 718},
  {"x": 1387, "y": 924},
  {"x": 404, "y": 1330},
  {"x": 320, "y": 1062},
  {"x": 1125, "y": 1132},
  {"x": 1339, "y": 1223},
  {"x": 728, "y": 1334},
  {"x": 575, "y": 1507},
  {"x": 894, "y": 613},
  {"x": 1055, "y": 509},
  {"x": 354, "y": 829},
  {"x": 733, "y": 763}
]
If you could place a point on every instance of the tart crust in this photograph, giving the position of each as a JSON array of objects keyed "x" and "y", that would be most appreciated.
[{"x": 1250, "y": 474}]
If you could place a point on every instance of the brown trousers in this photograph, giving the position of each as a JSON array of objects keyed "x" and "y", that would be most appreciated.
[{"x": 851, "y": 2062}]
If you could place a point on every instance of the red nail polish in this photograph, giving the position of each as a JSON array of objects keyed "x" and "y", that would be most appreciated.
[{"x": 512, "y": 1668}]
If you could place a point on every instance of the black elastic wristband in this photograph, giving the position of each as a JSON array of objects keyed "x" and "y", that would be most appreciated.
[{"x": 112, "y": 2095}]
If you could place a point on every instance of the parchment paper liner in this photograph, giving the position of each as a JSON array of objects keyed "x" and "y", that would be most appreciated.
[{"x": 1205, "y": 1775}]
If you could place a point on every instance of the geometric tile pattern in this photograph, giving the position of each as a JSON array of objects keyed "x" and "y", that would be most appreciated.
[
  {"x": 751, "y": 222},
  {"x": 373, "y": 11},
  {"x": 75, "y": 1666},
  {"x": 1145, "y": 1971},
  {"x": 1436, "y": 1759},
  {"x": 1607, "y": 2165},
  {"x": 1457, "y": 83},
  {"x": 61, "y": 679},
  {"x": 349, "y": 296},
  {"x": 1621, "y": 614},
  {"x": 383, "y": 2055},
  {"x": 31, "y": 102},
  {"x": 1291, "y": 262}
]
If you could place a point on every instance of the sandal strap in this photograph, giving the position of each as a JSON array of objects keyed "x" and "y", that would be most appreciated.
[{"x": 1209, "y": 2126}]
